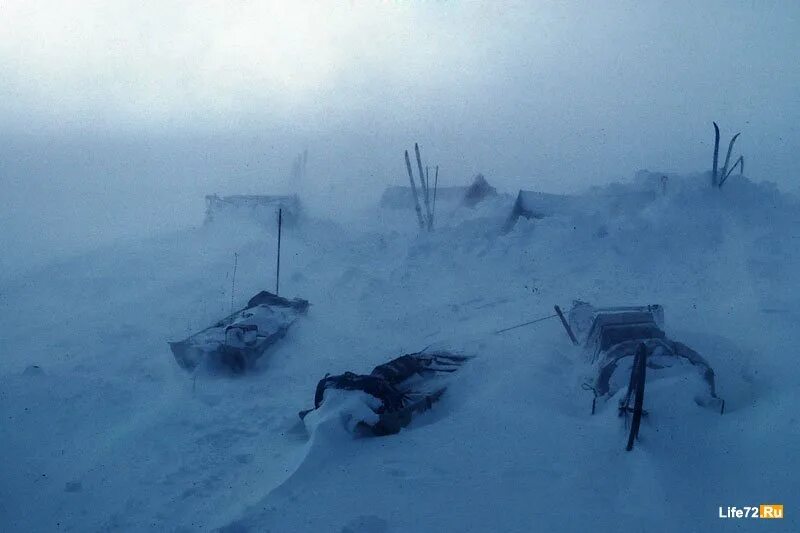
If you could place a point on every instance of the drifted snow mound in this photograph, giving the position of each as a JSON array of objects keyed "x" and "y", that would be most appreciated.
[
  {"x": 349, "y": 409},
  {"x": 151, "y": 449},
  {"x": 689, "y": 233}
]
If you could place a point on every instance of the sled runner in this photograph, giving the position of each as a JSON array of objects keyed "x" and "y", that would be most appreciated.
[
  {"x": 628, "y": 347},
  {"x": 237, "y": 341},
  {"x": 400, "y": 388}
]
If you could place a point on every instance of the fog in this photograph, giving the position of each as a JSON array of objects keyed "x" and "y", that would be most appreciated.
[{"x": 118, "y": 117}]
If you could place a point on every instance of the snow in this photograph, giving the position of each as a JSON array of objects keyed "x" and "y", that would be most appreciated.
[
  {"x": 343, "y": 408},
  {"x": 109, "y": 433}
]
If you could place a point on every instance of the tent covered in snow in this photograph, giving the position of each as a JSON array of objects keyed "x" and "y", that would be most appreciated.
[
  {"x": 612, "y": 199},
  {"x": 536, "y": 205},
  {"x": 256, "y": 207},
  {"x": 397, "y": 197},
  {"x": 478, "y": 190}
]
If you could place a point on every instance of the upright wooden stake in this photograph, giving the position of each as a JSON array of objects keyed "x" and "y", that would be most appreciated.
[{"x": 278, "y": 272}]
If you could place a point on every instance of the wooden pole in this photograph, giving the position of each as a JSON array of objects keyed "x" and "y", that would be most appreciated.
[{"x": 278, "y": 272}]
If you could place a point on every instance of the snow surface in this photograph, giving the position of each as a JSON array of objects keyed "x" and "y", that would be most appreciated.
[{"x": 109, "y": 434}]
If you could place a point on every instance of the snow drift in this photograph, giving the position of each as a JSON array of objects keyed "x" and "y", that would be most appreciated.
[{"x": 111, "y": 434}]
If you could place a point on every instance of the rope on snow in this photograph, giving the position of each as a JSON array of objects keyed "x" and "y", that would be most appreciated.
[{"x": 526, "y": 323}]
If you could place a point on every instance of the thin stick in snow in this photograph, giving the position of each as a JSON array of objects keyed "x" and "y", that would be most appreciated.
[
  {"x": 233, "y": 282},
  {"x": 414, "y": 191},
  {"x": 716, "y": 156},
  {"x": 427, "y": 177},
  {"x": 724, "y": 172},
  {"x": 740, "y": 163},
  {"x": 428, "y": 188},
  {"x": 435, "y": 187},
  {"x": 425, "y": 191},
  {"x": 565, "y": 324},
  {"x": 278, "y": 270}
]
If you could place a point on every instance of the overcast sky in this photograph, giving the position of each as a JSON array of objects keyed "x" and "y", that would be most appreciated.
[{"x": 118, "y": 115}]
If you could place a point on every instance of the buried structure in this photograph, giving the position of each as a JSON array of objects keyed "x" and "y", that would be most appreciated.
[
  {"x": 261, "y": 208},
  {"x": 611, "y": 199},
  {"x": 238, "y": 340},
  {"x": 385, "y": 400},
  {"x": 397, "y": 197},
  {"x": 538, "y": 205},
  {"x": 623, "y": 343}
]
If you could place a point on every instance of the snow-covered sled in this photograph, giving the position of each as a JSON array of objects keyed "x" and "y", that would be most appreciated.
[
  {"x": 611, "y": 337},
  {"x": 238, "y": 340},
  {"x": 385, "y": 400}
]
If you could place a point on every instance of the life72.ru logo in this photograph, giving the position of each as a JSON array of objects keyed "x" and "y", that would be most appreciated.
[{"x": 765, "y": 510}]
